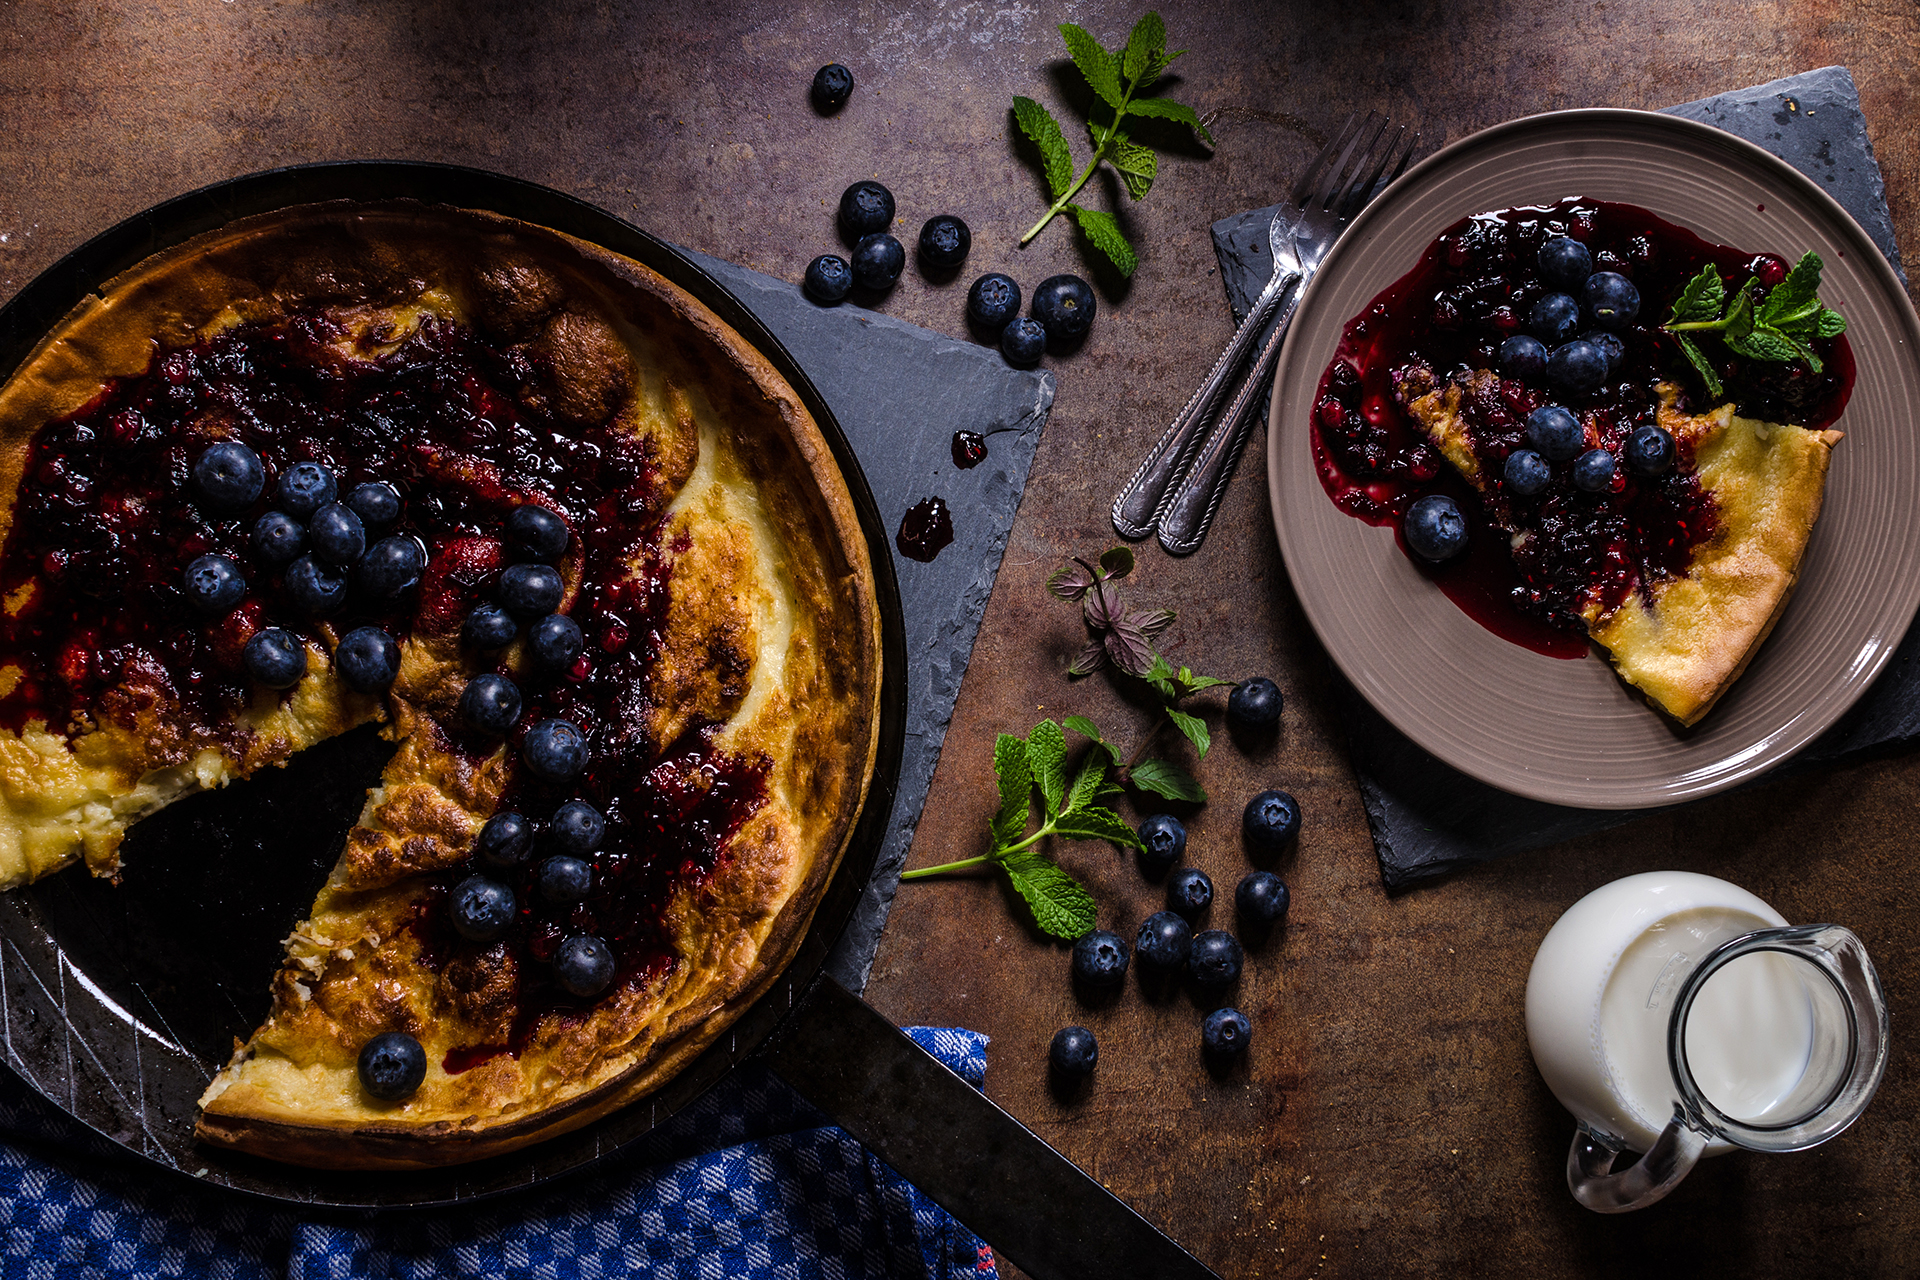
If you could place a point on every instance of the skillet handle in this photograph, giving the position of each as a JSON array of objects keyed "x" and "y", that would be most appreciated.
[{"x": 971, "y": 1158}]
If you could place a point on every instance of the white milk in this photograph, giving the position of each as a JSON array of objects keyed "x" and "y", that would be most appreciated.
[
  {"x": 1749, "y": 1036},
  {"x": 1602, "y": 991}
]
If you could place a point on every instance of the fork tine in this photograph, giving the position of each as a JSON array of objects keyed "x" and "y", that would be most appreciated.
[
  {"x": 1304, "y": 185},
  {"x": 1337, "y": 176},
  {"x": 1413, "y": 144},
  {"x": 1362, "y": 189},
  {"x": 1341, "y": 202}
]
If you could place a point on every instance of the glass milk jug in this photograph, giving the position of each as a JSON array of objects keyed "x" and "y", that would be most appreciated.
[{"x": 1679, "y": 1015}]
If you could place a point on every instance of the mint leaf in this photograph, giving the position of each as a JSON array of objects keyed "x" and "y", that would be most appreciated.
[
  {"x": 1088, "y": 729},
  {"x": 1047, "y": 757},
  {"x": 1097, "y": 823},
  {"x": 1702, "y": 300},
  {"x": 1128, "y": 647},
  {"x": 1137, "y": 166},
  {"x": 1044, "y": 131},
  {"x": 1153, "y": 623},
  {"x": 1116, "y": 562},
  {"x": 1765, "y": 344},
  {"x": 1145, "y": 43},
  {"x": 1701, "y": 365},
  {"x": 1016, "y": 789},
  {"x": 1070, "y": 581},
  {"x": 1796, "y": 299},
  {"x": 1194, "y": 684},
  {"x": 1167, "y": 779},
  {"x": 1095, "y": 63},
  {"x": 1091, "y": 659},
  {"x": 1103, "y": 233},
  {"x": 1194, "y": 727},
  {"x": 1160, "y": 675},
  {"x": 1087, "y": 784},
  {"x": 1168, "y": 109},
  {"x": 1059, "y": 905},
  {"x": 1831, "y": 324}
]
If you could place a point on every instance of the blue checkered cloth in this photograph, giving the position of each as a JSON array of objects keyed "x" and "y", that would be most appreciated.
[{"x": 748, "y": 1183}]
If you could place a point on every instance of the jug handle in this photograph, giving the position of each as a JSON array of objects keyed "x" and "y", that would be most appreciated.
[{"x": 1590, "y": 1173}]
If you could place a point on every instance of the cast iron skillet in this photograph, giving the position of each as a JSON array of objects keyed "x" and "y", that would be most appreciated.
[{"x": 117, "y": 1003}]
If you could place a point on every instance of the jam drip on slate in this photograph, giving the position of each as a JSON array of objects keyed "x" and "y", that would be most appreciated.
[
  {"x": 100, "y": 629},
  {"x": 925, "y": 531},
  {"x": 969, "y": 449},
  {"x": 1446, "y": 319}
]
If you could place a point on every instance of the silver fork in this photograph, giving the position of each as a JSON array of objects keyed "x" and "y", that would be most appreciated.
[{"x": 1178, "y": 485}]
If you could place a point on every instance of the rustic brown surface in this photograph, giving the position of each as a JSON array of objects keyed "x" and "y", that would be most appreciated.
[{"x": 1389, "y": 1120}]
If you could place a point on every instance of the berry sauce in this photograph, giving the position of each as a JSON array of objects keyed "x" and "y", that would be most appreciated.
[
  {"x": 1444, "y": 322},
  {"x": 925, "y": 531},
  {"x": 107, "y": 519},
  {"x": 969, "y": 449}
]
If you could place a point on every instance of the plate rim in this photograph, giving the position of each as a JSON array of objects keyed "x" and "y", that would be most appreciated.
[{"x": 1799, "y": 729}]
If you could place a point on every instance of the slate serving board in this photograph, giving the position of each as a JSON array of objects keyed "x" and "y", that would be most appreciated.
[{"x": 1429, "y": 819}]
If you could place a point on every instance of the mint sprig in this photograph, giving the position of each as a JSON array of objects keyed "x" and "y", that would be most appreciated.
[
  {"x": 1061, "y": 906},
  {"x": 1124, "y": 640},
  {"x": 1781, "y": 328},
  {"x": 1117, "y": 79}
]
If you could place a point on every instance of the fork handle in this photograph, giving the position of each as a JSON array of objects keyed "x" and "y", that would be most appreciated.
[
  {"x": 1189, "y": 508},
  {"x": 1138, "y": 503}
]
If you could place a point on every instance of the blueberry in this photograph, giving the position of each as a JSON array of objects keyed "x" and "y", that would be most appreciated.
[
  {"x": 275, "y": 658},
  {"x": 1612, "y": 349},
  {"x": 1023, "y": 341},
  {"x": 391, "y": 567},
  {"x": 555, "y": 640},
  {"x": 489, "y": 627},
  {"x": 1523, "y": 356},
  {"x": 1064, "y": 306},
  {"x": 277, "y": 538},
  {"x": 336, "y": 535},
  {"x": 577, "y": 828},
  {"x": 490, "y": 703},
  {"x": 877, "y": 260},
  {"x": 392, "y": 1065},
  {"x": 829, "y": 278},
  {"x": 1650, "y": 450},
  {"x": 229, "y": 476},
  {"x": 1163, "y": 941},
  {"x": 1225, "y": 1033},
  {"x": 993, "y": 301},
  {"x": 505, "y": 841},
  {"x": 315, "y": 588},
  {"x": 1261, "y": 897},
  {"x": 1527, "y": 472},
  {"x": 1270, "y": 822},
  {"x": 1189, "y": 891},
  {"x": 1100, "y": 958},
  {"x": 1163, "y": 839},
  {"x": 367, "y": 659},
  {"x": 1593, "y": 471},
  {"x": 1435, "y": 529},
  {"x": 531, "y": 590},
  {"x": 482, "y": 909},
  {"x": 1554, "y": 319},
  {"x": 555, "y": 750},
  {"x": 1215, "y": 959},
  {"x": 583, "y": 965},
  {"x": 376, "y": 502},
  {"x": 1074, "y": 1052},
  {"x": 563, "y": 879},
  {"x": 535, "y": 533},
  {"x": 1613, "y": 299},
  {"x": 1254, "y": 704},
  {"x": 305, "y": 487},
  {"x": 832, "y": 86},
  {"x": 1564, "y": 261},
  {"x": 866, "y": 207},
  {"x": 1555, "y": 432},
  {"x": 944, "y": 241},
  {"x": 1577, "y": 366},
  {"x": 214, "y": 584}
]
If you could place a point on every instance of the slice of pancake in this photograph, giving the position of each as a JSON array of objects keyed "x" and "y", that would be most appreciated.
[{"x": 1680, "y": 611}]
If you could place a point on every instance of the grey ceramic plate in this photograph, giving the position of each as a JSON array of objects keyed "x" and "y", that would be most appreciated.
[{"x": 1569, "y": 732}]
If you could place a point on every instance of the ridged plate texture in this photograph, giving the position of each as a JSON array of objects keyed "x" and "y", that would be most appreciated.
[{"x": 1570, "y": 732}]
